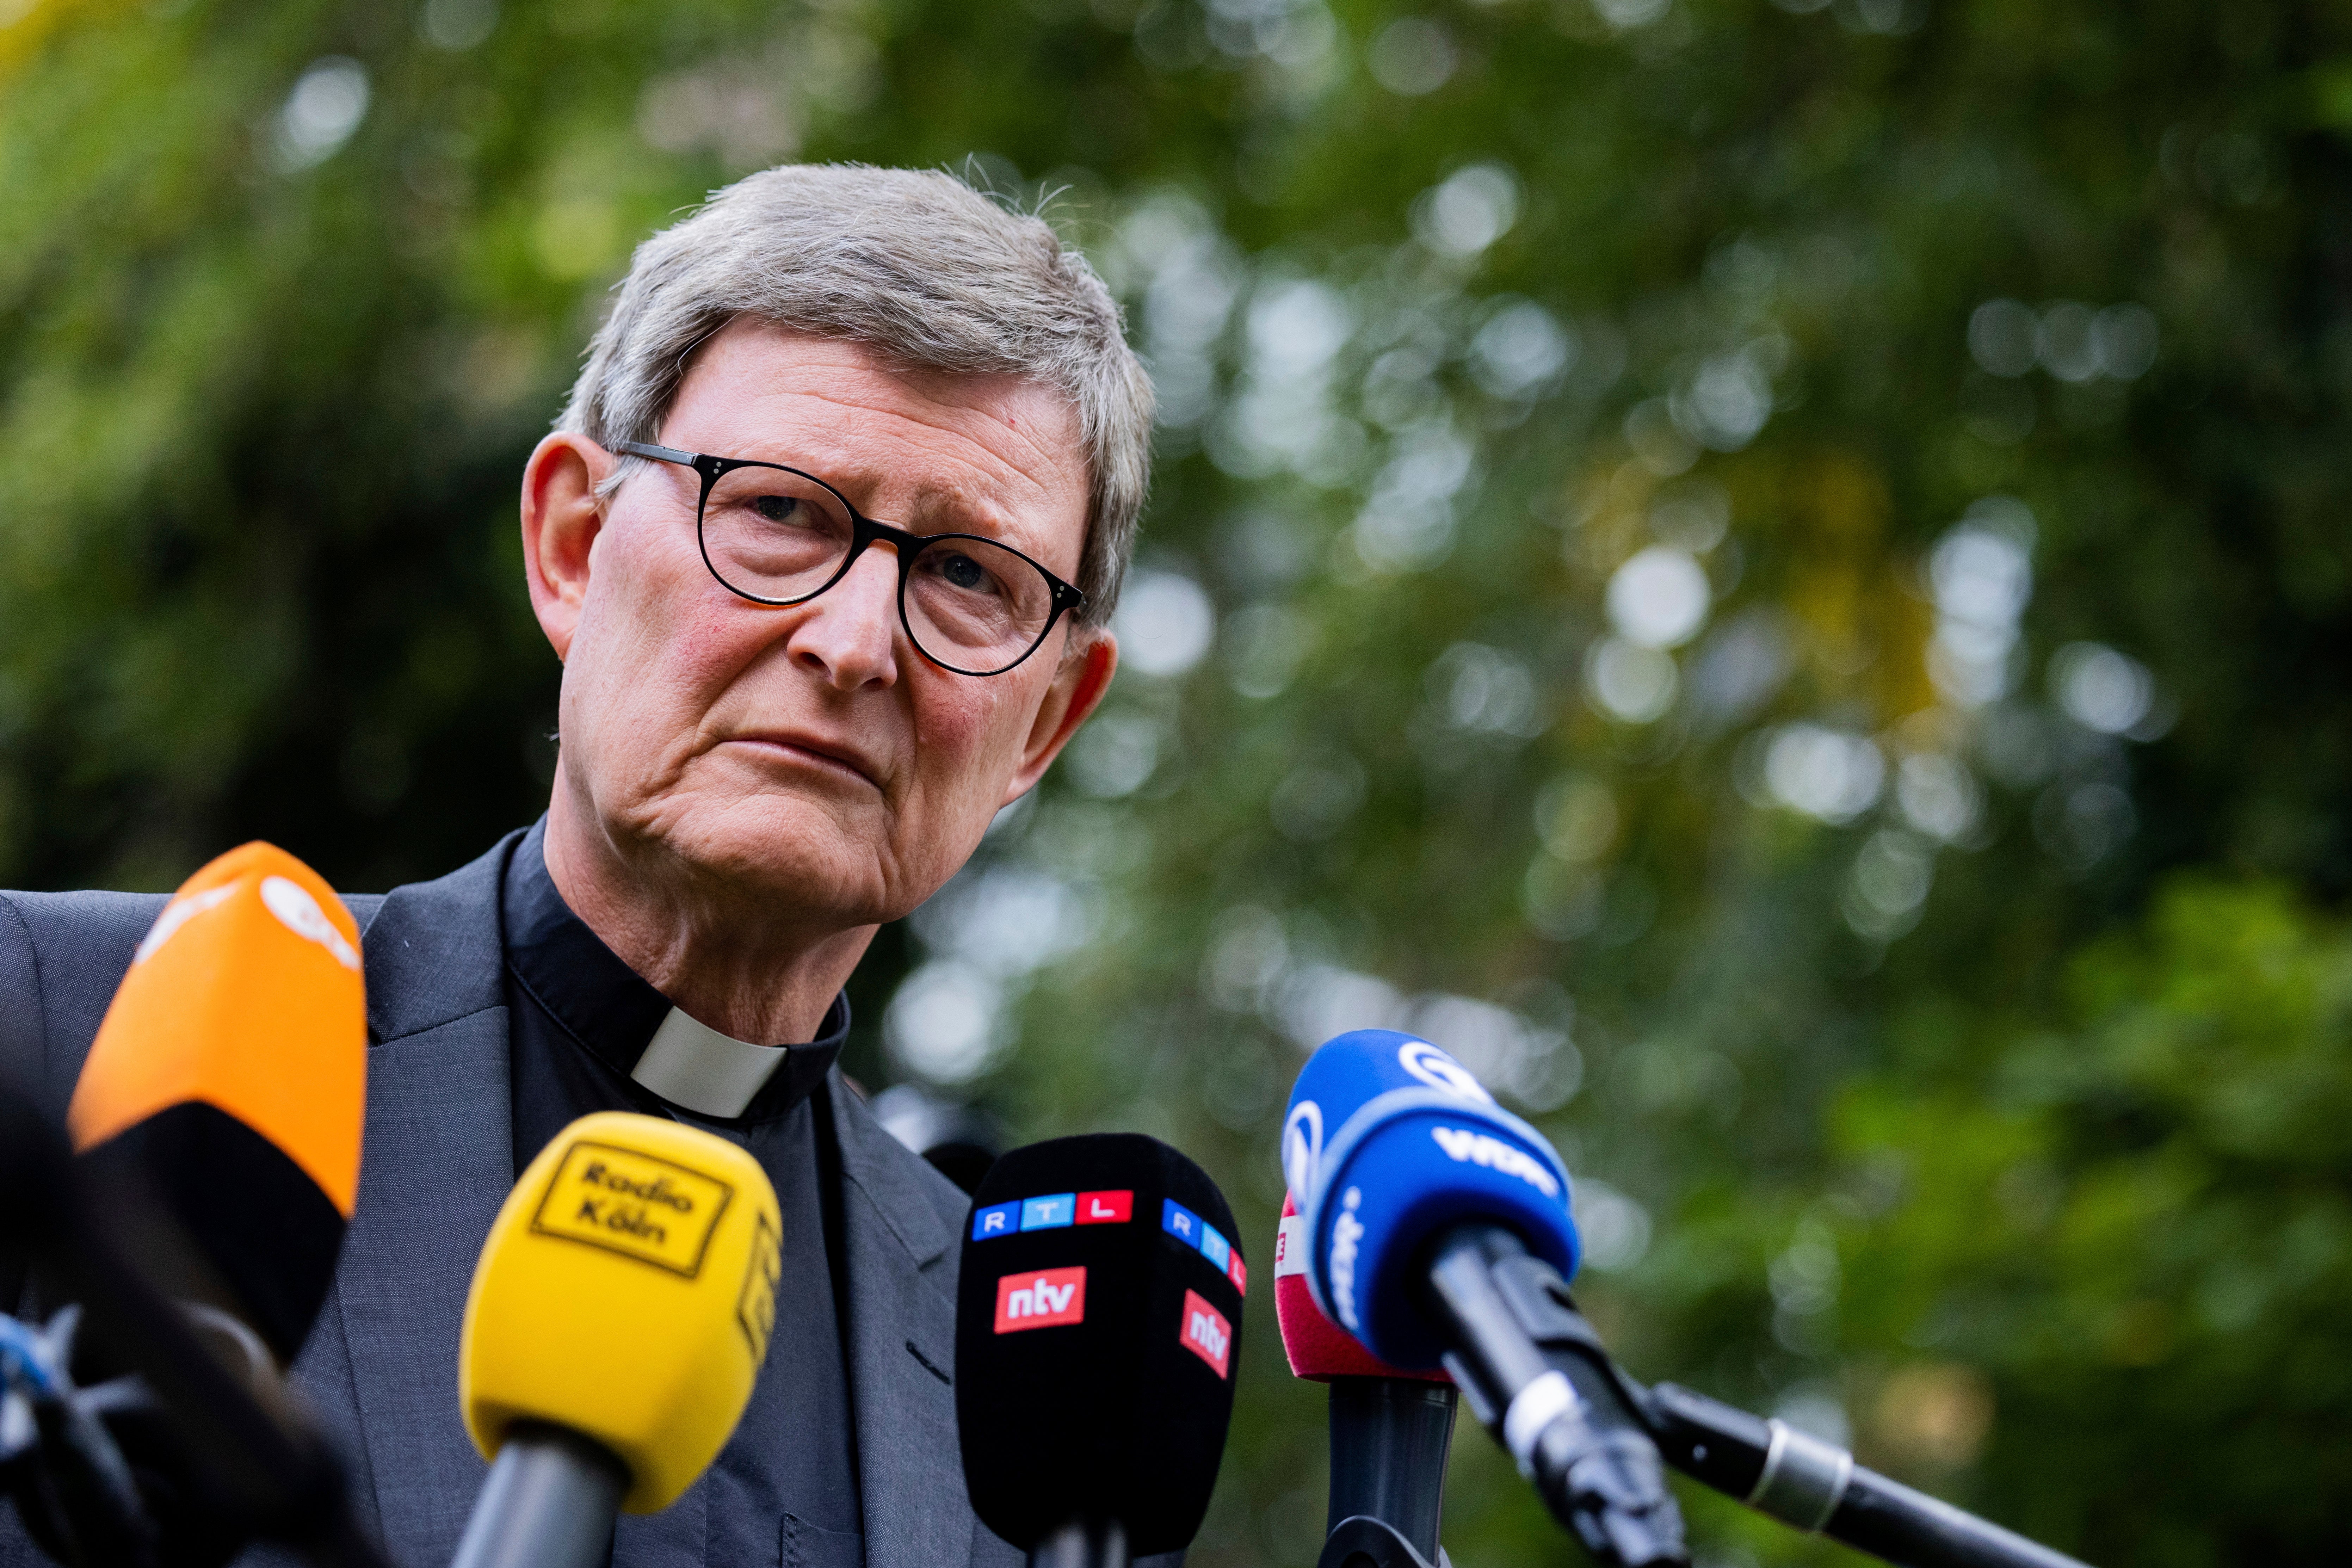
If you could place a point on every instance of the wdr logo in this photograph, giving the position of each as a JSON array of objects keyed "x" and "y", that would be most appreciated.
[
  {"x": 1478, "y": 1148},
  {"x": 1205, "y": 1332},
  {"x": 1041, "y": 1298}
]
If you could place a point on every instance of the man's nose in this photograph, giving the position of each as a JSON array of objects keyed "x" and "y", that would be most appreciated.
[{"x": 849, "y": 634}]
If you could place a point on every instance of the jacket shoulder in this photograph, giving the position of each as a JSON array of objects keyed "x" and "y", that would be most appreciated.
[
  {"x": 58, "y": 923},
  {"x": 61, "y": 957},
  {"x": 433, "y": 950}
]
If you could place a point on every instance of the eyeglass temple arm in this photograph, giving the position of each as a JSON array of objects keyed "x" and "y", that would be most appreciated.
[{"x": 647, "y": 449}]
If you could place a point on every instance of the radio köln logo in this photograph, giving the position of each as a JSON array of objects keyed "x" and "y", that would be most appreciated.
[
  {"x": 1041, "y": 1298},
  {"x": 1205, "y": 1332}
]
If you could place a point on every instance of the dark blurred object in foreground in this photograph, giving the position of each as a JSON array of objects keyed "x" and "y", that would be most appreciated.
[{"x": 961, "y": 1141}]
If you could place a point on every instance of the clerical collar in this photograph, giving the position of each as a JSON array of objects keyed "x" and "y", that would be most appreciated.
[{"x": 610, "y": 1009}]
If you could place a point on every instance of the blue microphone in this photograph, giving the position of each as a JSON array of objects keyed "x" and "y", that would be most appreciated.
[
  {"x": 1437, "y": 1231},
  {"x": 1388, "y": 1143}
]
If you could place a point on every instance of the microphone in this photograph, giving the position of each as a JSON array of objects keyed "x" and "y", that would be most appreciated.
[
  {"x": 1098, "y": 1316},
  {"x": 1437, "y": 1231},
  {"x": 218, "y": 1118},
  {"x": 1391, "y": 1429},
  {"x": 618, "y": 1317},
  {"x": 227, "y": 1084},
  {"x": 255, "y": 1465}
]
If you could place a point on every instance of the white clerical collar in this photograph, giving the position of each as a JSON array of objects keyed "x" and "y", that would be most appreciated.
[{"x": 690, "y": 1063}]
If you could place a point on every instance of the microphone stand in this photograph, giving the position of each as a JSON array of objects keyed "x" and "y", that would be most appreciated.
[
  {"x": 1389, "y": 1437},
  {"x": 1083, "y": 1543},
  {"x": 550, "y": 1501}
]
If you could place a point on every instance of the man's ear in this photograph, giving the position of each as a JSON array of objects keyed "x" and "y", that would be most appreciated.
[
  {"x": 560, "y": 519},
  {"x": 1076, "y": 691}
]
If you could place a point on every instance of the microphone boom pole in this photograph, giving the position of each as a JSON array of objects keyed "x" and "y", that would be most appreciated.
[
  {"x": 1817, "y": 1488},
  {"x": 1814, "y": 1486}
]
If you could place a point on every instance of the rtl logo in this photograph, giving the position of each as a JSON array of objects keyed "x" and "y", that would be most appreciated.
[
  {"x": 1041, "y": 1298},
  {"x": 1106, "y": 1208},
  {"x": 1205, "y": 1332}
]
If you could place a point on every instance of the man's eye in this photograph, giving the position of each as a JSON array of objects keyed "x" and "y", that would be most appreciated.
[
  {"x": 963, "y": 572},
  {"x": 781, "y": 509}
]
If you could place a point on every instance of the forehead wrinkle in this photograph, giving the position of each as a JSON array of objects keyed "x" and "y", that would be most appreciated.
[
  {"x": 1041, "y": 457},
  {"x": 732, "y": 353}
]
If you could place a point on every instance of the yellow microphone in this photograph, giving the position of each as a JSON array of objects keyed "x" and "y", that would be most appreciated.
[{"x": 618, "y": 1317}]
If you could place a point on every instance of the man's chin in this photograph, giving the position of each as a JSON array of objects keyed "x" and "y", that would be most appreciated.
[{"x": 768, "y": 850}]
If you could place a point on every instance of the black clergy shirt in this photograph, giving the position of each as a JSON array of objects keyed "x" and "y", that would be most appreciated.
[{"x": 783, "y": 1493}]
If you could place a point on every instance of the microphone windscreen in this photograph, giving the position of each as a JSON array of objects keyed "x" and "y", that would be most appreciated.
[
  {"x": 228, "y": 1080},
  {"x": 1317, "y": 1347},
  {"x": 626, "y": 1292},
  {"x": 1099, "y": 1322},
  {"x": 1388, "y": 1143}
]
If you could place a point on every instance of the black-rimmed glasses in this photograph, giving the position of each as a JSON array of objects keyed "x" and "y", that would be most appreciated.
[{"x": 777, "y": 536}]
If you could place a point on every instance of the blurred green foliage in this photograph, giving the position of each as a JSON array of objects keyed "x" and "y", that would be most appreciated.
[
  {"x": 1775, "y": 575},
  {"x": 2161, "y": 1235}
]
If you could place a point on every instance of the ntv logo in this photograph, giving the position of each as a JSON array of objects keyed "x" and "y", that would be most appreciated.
[
  {"x": 1042, "y": 1298},
  {"x": 1206, "y": 1333}
]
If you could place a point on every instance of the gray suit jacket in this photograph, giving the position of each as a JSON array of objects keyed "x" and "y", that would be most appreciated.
[{"x": 381, "y": 1366}]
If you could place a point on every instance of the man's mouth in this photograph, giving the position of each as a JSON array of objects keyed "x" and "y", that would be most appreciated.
[{"x": 833, "y": 756}]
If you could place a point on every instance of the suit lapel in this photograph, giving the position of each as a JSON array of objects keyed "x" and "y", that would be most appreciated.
[
  {"x": 901, "y": 1267},
  {"x": 438, "y": 1160}
]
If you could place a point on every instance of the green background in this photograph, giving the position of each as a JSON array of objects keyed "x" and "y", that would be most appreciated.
[{"x": 1930, "y": 960}]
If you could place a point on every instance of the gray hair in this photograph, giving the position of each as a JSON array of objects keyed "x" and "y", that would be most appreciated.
[{"x": 912, "y": 264}]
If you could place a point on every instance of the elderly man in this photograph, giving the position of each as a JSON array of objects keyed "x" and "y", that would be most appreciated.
[{"x": 784, "y": 720}]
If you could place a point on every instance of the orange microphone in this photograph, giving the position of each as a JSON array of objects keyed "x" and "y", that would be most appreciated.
[
  {"x": 196, "y": 1229},
  {"x": 227, "y": 1084}
]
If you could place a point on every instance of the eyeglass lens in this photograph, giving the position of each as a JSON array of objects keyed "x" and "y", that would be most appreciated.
[{"x": 779, "y": 536}]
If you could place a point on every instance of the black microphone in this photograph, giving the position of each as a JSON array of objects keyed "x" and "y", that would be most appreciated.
[
  {"x": 1437, "y": 1231},
  {"x": 1099, "y": 1318},
  {"x": 256, "y": 1464}
]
